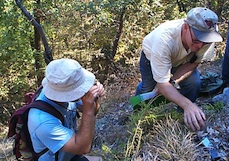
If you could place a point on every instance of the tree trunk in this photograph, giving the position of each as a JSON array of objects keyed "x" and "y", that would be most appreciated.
[
  {"x": 37, "y": 47},
  {"x": 119, "y": 33}
]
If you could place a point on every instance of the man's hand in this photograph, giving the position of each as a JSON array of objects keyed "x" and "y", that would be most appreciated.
[
  {"x": 97, "y": 100},
  {"x": 90, "y": 99},
  {"x": 194, "y": 117},
  {"x": 80, "y": 142},
  {"x": 100, "y": 88}
]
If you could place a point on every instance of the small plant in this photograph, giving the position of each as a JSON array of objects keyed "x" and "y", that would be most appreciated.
[
  {"x": 217, "y": 106},
  {"x": 151, "y": 121}
]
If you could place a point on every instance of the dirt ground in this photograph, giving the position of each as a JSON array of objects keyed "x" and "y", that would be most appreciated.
[{"x": 111, "y": 128}]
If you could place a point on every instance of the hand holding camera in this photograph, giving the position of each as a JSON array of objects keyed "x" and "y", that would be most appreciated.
[
  {"x": 100, "y": 94},
  {"x": 92, "y": 98}
]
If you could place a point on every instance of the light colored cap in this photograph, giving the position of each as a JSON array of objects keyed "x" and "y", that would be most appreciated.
[
  {"x": 66, "y": 80},
  {"x": 203, "y": 22}
]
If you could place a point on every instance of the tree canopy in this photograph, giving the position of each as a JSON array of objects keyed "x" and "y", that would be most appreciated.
[{"x": 102, "y": 35}]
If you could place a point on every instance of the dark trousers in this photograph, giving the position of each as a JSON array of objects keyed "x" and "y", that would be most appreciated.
[
  {"x": 190, "y": 87},
  {"x": 225, "y": 65},
  {"x": 79, "y": 158}
]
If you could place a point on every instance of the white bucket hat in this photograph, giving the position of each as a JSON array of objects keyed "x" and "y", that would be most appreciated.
[
  {"x": 203, "y": 22},
  {"x": 66, "y": 80}
]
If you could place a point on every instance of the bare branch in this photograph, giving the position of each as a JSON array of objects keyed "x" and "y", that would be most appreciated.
[{"x": 48, "y": 53}]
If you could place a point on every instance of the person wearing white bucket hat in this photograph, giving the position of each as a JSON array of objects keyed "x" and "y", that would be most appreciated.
[
  {"x": 66, "y": 87},
  {"x": 173, "y": 50}
]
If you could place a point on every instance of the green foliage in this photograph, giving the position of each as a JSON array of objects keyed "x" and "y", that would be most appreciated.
[
  {"x": 217, "y": 106},
  {"x": 14, "y": 53},
  {"x": 83, "y": 30},
  {"x": 18, "y": 73},
  {"x": 86, "y": 31},
  {"x": 114, "y": 154},
  {"x": 146, "y": 119}
]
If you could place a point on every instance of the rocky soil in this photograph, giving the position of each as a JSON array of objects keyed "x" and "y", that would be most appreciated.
[
  {"x": 111, "y": 127},
  {"x": 112, "y": 130}
]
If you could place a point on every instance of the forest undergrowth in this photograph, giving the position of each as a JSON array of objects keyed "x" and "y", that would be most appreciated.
[{"x": 150, "y": 134}]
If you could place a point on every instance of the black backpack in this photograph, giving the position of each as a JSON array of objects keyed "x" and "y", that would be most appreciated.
[{"x": 23, "y": 149}]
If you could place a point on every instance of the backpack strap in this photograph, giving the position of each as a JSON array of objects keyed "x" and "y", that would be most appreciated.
[{"x": 46, "y": 107}]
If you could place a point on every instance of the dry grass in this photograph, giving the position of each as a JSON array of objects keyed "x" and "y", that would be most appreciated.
[
  {"x": 167, "y": 139},
  {"x": 6, "y": 154},
  {"x": 151, "y": 140},
  {"x": 133, "y": 146}
]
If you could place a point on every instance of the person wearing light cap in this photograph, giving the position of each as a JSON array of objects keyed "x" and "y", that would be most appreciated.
[
  {"x": 66, "y": 87},
  {"x": 172, "y": 51}
]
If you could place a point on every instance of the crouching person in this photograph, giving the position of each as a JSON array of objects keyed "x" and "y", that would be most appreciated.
[{"x": 65, "y": 86}]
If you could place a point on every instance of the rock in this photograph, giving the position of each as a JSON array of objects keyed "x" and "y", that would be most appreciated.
[{"x": 222, "y": 97}]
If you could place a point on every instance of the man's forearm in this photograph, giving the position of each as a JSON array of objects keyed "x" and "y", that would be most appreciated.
[
  {"x": 80, "y": 142},
  {"x": 184, "y": 71},
  {"x": 169, "y": 92},
  {"x": 86, "y": 130}
]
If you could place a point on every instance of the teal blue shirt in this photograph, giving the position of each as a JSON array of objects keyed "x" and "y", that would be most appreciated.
[{"x": 47, "y": 131}]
